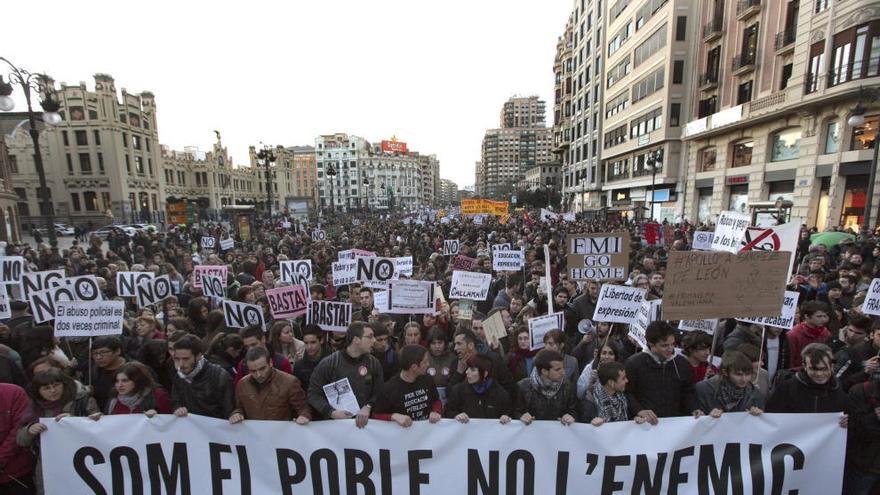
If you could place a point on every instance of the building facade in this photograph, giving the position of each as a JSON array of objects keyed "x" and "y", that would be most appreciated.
[
  {"x": 10, "y": 224},
  {"x": 448, "y": 193},
  {"x": 579, "y": 92},
  {"x": 508, "y": 152},
  {"x": 646, "y": 94},
  {"x": 778, "y": 84},
  {"x": 546, "y": 175}
]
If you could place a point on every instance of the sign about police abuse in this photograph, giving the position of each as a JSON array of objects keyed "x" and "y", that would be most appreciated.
[
  {"x": 602, "y": 256},
  {"x": 88, "y": 319}
]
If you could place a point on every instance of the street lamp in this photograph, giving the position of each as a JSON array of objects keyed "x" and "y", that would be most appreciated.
[
  {"x": 366, "y": 191},
  {"x": 35, "y": 82},
  {"x": 654, "y": 161},
  {"x": 857, "y": 119},
  {"x": 331, "y": 172},
  {"x": 267, "y": 156}
]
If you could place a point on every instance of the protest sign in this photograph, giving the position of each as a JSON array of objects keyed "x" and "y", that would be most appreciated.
[
  {"x": 11, "y": 269},
  {"x": 786, "y": 317},
  {"x": 707, "y": 326},
  {"x": 37, "y": 281},
  {"x": 465, "y": 309},
  {"x": 648, "y": 311},
  {"x": 729, "y": 231},
  {"x": 285, "y": 225},
  {"x": 703, "y": 240},
  {"x": 330, "y": 316},
  {"x": 208, "y": 242},
  {"x": 43, "y": 302},
  {"x": 83, "y": 288},
  {"x": 214, "y": 286},
  {"x": 450, "y": 247},
  {"x": 127, "y": 281},
  {"x": 478, "y": 220},
  {"x": 777, "y": 238},
  {"x": 296, "y": 271},
  {"x": 496, "y": 247},
  {"x": 5, "y": 310},
  {"x": 411, "y": 296},
  {"x": 712, "y": 284},
  {"x": 603, "y": 256},
  {"x": 445, "y": 220},
  {"x": 871, "y": 306},
  {"x": 350, "y": 254},
  {"x": 341, "y": 397},
  {"x": 241, "y": 315},
  {"x": 199, "y": 270},
  {"x": 470, "y": 285},
  {"x": 618, "y": 304},
  {"x": 287, "y": 302},
  {"x": 375, "y": 272},
  {"x": 540, "y": 325},
  {"x": 508, "y": 260},
  {"x": 380, "y": 300},
  {"x": 464, "y": 263},
  {"x": 344, "y": 272},
  {"x": 404, "y": 266},
  {"x": 568, "y": 217},
  {"x": 493, "y": 327},
  {"x": 736, "y": 453},
  {"x": 88, "y": 318},
  {"x": 153, "y": 291},
  {"x": 318, "y": 235},
  {"x": 227, "y": 244},
  {"x": 547, "y": 215}
]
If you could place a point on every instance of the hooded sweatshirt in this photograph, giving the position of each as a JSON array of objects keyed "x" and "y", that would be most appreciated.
[{"x": 802, "y": 335}]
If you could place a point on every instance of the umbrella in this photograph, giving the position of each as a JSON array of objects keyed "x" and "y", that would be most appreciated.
[{"x": 830, "y": 239}]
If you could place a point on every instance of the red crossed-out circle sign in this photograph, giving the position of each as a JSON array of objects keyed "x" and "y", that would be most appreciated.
[{"x": 758, "y": 239}]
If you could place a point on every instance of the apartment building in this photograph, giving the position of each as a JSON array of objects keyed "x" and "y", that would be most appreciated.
[
  {"x": 647, "y": 59},
  {"x": 448, "y": 193},
  {"x": 779, "y": 83}
]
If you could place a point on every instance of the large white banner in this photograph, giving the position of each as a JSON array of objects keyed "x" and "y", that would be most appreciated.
[{"x": 773, "y": 453}]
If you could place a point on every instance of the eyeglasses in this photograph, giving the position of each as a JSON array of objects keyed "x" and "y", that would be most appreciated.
[{"x": 102, "y": 353}]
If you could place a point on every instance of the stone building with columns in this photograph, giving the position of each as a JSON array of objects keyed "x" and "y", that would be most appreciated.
[{"x": 778, "y": 84}]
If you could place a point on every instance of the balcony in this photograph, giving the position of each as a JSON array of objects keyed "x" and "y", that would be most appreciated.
[
  {"x": 712, "y": 29},
  {"x": 743, "y": 63},
  {"x": 785, "y": 40},
  {"x": 708, "y": 81},
  {"x": 747, "y": 8}
]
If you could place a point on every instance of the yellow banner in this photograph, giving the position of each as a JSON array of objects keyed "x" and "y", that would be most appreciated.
[{"x": 483, "y": 206}]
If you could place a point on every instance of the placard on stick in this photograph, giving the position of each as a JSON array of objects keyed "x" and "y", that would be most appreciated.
[
  {"x": 714, "y": 284},
  {"x": 600, "y": 256}
]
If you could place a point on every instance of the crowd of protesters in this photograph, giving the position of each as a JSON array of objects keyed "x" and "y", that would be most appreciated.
[{"x": 180, "y": 358}]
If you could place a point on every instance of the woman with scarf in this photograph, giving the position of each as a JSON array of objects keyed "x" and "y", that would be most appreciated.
[
  {"x": 440, "y": 357},
  {"x": 521, "y": 359},
  {"x": 732, "y": 390},
  {"x": 55, "y": 395},
  {"x": 479, "y": 396},
  {"x": 136, "y": 392},
  {"x": 546, "y": 394}
]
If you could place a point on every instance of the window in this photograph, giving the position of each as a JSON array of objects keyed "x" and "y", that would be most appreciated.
[
  {"x": 13, "y": 164},
  {"x": 69, "y": 164},
  {"x": 674, "y": 114},
  {"x": 648, "y": 85},
  {"x": 678, "y": 72},
  {"x": 617, "y": 8},
  {"x": 135, "y": 141},
  {"x": 147, "y": 142},
  {"x": 105, "y": 199},
  {"x": 127, "y": 164},
  {"x": 865, "y": 136},
  {"x": 618, "y": 169},
  {"x": 707, "y": 107},
  {"x": 139, "y": 164},
  {"x": 680, "y": 28},
  {"x": 817, "y": 59},
  {"x": 744, "y": 93},
  {"x": 91, "y": 200},
  {"x": 85, "y": 163},
  {"x": 22, "y": 193},
  {"x": 81, "y": 138},
  {"x": 646, "y": 11},
  {"x": 749, "y": 46},
  {"x": 101, "y": 162},
  {"x": 66, "y": 140},
  {"x": 741, "y": 154},
  {"x": 821, "y": 5},
  {"x": 856, "y": 53},
  {"x": 97, "y": 135},
  {"x": 786, "y": 145},
  {"x": 615, "y": 136},
  {"x": 617, "y": 104},
  {"x": 74, "y": 200},
  {"x": 646, "y": 124},
  {"x": 786, "y": 75},
  {"x": 619, "y": 71},
  {"x": 650, "y": 46},
  {"x": 832, "y": 137},
  {"x": 125, "y": 140},
  {"x": 707, "y": 159},
  {"x": 619, "y": 39}
]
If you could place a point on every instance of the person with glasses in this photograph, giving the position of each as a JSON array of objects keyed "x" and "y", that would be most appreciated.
[
  {"x": 813, "y": 389},
  {"x": 107, "y": 358}
]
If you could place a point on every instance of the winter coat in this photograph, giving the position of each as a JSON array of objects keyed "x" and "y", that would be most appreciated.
[
  {"x": 802, "y": 335},
  {"x": 158, "y": 400},
  {"x": 709, "y": 396},
  {"x": 16, "y": 460},
  {"x": 864, "y": 426},
  {"x": 741, "y": 335},
  {"x": 531, "y": 401},
  {"x": 663, "y": 388},
  {"x": 281, "y": 398},
  {"x": 492, "y": 404},
  {"x": 799, "y": 394},
  {"x": 209, "y": 394}
]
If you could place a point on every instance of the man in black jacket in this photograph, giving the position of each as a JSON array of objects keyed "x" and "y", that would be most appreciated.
[
  {"x": 546, "y": 394},
  {"x": 814, "y": 389},
  {"x": 659, "y": 381},
  {"x": 465, "y": 345},
  {"x": 863, "y": 448},
  {"x": 199, "y": 387}
]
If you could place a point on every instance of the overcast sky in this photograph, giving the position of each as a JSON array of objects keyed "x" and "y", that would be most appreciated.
[{"x": 435, "y": 74}]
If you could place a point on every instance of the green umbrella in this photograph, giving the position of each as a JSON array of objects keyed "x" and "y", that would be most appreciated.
[{"x": 830, "y": 239}]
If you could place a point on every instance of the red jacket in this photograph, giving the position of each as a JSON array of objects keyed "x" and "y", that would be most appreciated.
[
  {"x": 161, "y": 400},
  {"x": 802, "y": 335},
  {"x": 15, "y": 408}
]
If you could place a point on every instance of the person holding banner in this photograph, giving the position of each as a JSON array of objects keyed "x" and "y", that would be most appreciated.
[
  {"x": 314, "y": 352},
  {"x": 545, "y": 394},
  {"x": 660, "y": 384},
  {"x": 606, "y": 398},
  {"x": 812, "y": 389},
  {"x": 253, "y": 336},
  {"x": 268, "y": 394},
  {"x": 862, "y": 473},
  {"x": 16, "y": 476},
  {"x": 479, "y": 396},
  {"x": 356, "y": 363},
  {"x": 521, "y": 359},
  {"x": 411, "y": 395},
  {"x": 731, "y": 390},
  {"x": 199, "y": 387},
  {"x": 136, "y": 392}
]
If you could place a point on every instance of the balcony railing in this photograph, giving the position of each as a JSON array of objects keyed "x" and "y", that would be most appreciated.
[
  {"x": 785, "y": 39},
  {"x": 743, "y": 62},
  {"x": 746, "y": 8},
  {"x": 708, "y": 80},
  {"x": 712, "y": 29}
]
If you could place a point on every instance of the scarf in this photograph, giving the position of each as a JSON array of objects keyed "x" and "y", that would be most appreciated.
[
  {"x": 189, "y": 377},
  {"x": 518, "y": 356},
  {"x": 547, "y": 388},
  {"x": 731, "y": 396},
  {"x": 53, "y": 408},
  {"x": 611, "y": 407},
  {"x": 480, "y": 388},
  {"x": 131, "y": 401}
]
